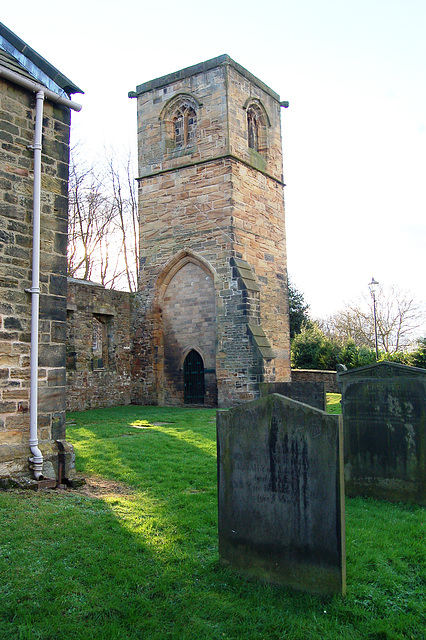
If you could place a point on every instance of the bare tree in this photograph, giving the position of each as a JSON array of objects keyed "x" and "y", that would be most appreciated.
[
  {"x": 126, "y": 218},
  {"x": 90, "y": 216},
  {"x": 398, "y": 315},
  {"x": 103, "y": 222}
]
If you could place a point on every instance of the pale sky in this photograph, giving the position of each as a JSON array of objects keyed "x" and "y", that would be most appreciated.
[{"x": 353, "y": 137}]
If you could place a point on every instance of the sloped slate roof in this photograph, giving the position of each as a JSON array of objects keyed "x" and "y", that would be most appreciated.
[
  {"x": 28, "y": 62},
  {"x": 8, "y": 61}
]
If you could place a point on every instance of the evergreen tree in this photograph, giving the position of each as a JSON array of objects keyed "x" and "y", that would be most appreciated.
[
  {"x": 298, "y": 310},
  {"x": 418, "y": 357},
  {"x": 310, "y": 349}
]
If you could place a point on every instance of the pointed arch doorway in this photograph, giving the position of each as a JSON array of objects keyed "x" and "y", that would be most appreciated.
[
  {"x": 193, "y": 378},
  {"x": 187, "y": 322}
]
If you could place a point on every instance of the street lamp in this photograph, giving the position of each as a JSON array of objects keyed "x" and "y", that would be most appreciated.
[{"x": 373, "y": 288}]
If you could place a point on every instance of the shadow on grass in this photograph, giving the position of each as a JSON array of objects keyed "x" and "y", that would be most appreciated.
[
  {"x": 172, "y": 467},
  {"x": 144, "y": 564}
]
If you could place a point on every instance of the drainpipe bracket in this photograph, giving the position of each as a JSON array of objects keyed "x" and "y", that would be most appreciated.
[
  {"x": 32, "y": 290},
  {"x": 36, "y": 460}
]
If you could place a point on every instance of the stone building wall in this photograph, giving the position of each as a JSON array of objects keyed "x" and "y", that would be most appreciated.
[
  {"x": 99, "y": 346},
  {"x": 209, "y": 201},
  {"x": 17, "y": 109}
]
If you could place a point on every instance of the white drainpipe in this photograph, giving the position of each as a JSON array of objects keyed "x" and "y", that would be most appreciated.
[{"x": 37, "y": 457}]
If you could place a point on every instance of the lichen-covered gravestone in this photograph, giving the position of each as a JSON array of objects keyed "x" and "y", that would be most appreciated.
[
  {"x": 281, "y": 494},
  {"x": 384, "y": 421}
]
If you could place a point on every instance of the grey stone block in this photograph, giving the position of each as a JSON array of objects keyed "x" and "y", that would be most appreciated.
[{"x": 312, "y": 393}]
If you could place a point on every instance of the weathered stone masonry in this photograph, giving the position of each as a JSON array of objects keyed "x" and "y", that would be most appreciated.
[
  {"x": 17, "y": 119},
  {"x": 99, "y": 346},
  {"x": 210, "y": 195},
  {"x": 15, "y": 268}
]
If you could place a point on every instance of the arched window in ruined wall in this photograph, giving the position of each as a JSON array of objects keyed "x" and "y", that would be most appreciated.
[
  {"x": 101, "y": 341},
  {"x": 257, "y": 126},
  {"x": 179, "y": 122}
]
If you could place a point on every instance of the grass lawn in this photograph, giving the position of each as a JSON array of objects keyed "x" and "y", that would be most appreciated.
[
  {"x": 133, "y": 555},
  {"x": 334, "y": 403}
]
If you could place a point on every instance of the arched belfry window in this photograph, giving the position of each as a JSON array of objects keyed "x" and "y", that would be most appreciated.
[
  {"x": 257, "y": 126},
  {"x": 252, "y": 127},
  {"x": 185, "y": 126},
  {"x": 179, "y": 122}
]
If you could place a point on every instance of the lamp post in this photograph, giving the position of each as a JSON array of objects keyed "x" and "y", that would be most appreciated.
[{"x": 373, "y": 288}]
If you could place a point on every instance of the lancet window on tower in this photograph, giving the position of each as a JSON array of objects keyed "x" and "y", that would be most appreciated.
[
  {"x": 252, "y": 127},
  {"x": 185, "y": 126},
  {"x": 179, "y": 122},
  {"x": 257, "y": 128}
]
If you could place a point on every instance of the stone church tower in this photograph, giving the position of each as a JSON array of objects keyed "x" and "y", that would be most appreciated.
[{"x": 212, "y": 319}]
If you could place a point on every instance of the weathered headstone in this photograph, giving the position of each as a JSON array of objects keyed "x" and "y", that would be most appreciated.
[
  {"x": 312, "y": 393},
  {"x": 384, "y": 421},
  {"x": 281, "y": 494}
]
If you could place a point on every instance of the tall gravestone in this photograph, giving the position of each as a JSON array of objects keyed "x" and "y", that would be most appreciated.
[
  {"x": 384, "y": 418},
  {"x": 281, "y": 494}
]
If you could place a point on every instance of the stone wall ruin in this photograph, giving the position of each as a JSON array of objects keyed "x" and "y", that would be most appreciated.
[{"x": 99, "y": 346}]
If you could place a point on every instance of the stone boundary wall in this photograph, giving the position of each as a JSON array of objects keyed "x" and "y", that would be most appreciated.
[
  {"x": 311, "y": 393},
  {"x": 329, "y": 378},
  {"x": 99, "y": 346}
]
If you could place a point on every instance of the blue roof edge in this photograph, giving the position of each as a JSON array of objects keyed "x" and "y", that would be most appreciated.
[{"x": 48, "y": 69}]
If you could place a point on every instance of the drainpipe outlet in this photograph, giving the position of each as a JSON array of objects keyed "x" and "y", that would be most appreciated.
[{"x": 36, "y": 462}]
